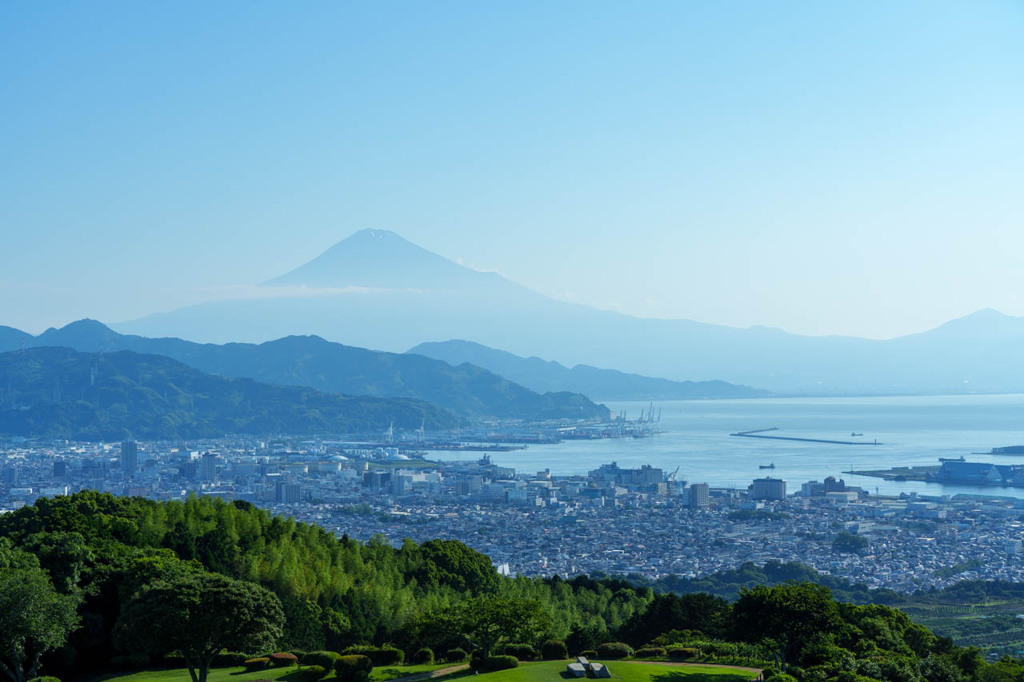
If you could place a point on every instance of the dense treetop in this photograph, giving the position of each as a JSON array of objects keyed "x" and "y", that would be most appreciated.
[{"x": 119, "y": 555}]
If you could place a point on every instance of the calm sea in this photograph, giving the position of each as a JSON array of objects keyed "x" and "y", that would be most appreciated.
[{"x": 913, "y": 431}]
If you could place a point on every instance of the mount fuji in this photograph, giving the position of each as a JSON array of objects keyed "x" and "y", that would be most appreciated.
[{"x": 377, "y": 290}]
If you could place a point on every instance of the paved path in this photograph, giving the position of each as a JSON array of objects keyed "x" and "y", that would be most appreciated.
[
  {"x": 681, "y": 664},
  {"x": 430, "y": 674}
]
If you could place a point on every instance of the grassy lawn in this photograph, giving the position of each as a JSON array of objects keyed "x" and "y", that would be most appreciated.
[
  {"x": 546, "y": 671},
  {"x": 390, "y": 672},
  {"x": 626, "y": 671},
  {"x": 239, "y": 675}
]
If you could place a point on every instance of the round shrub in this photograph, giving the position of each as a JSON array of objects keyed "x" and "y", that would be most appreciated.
[
  {"x": 353, "y": 668},
  {"x": 492, "y": 663},
  {"x": 588, "y": 654},
  {"x": 523, "y": 652},
  {"x": 313, "y": 673},
  {"x": 650, "y": 652},
  {"x": 614, "y": 650},
  {"x": 455, "y": 655},
  {"x": 298, "y": 653},
  {"x": 258, "y": 663},
  {"x": 45, "y": 678},
  {"x": 324, "y": 659},
  {"x": 424, "y": 656},
  {"x": 553, "y": 650},
  {"x": 780, "y": 677},
  {"x": 283, "y": 659},
  {"x": 682, "y": 652}
]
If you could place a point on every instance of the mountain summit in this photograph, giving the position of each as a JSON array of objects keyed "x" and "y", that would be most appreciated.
[
  {"x": 380, "y": 259},
  {"x": 377, "y": 290}
]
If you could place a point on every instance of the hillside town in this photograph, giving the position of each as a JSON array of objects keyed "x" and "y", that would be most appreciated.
[{"x": 611, "y": 520}]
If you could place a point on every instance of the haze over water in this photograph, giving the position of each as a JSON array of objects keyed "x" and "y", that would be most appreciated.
[{"x": 914, "y": 431}]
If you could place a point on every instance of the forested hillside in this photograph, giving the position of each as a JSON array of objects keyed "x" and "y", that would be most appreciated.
[
  {"x": 312, "y": 362},
  {"x": 61, "y": 393},
  {"x": 119, "y": 561}
]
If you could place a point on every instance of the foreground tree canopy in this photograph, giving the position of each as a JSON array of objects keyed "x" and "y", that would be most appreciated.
[
  {"x": 198, "y": 616},
  {"x": 34, "y": 617},
  {"x": 193, "y": 578}
]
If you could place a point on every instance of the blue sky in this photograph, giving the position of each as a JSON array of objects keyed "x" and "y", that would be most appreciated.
[{"x": 850, "y": 168}]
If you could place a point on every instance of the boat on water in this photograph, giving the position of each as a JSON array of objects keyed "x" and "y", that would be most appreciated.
[
  {"x": 854, "y": 435},
  {"x": 767, "y": 466}
]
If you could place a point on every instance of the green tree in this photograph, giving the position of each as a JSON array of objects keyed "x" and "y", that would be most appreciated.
[
  {"x": 667, "y": 612},
  {"x": 486, "y": 621},
  {"x": 451, "y": 563},
  {"x": 789, "y": 615},
  {"x": 198, "y": 616},
  {"x": 34, "y": 617},
  {"x": 848, "y": 543}
]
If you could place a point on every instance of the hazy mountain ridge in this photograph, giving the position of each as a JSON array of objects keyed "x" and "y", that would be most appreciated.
[
  {"x": 61, "y": 393},
  {"x": 331, "y": 367},
  {"x": 975, "y": 354},
  {"x": 608, "y": 384}
]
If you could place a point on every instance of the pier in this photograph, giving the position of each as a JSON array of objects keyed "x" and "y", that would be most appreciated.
[{"x": 759, "y": 433}]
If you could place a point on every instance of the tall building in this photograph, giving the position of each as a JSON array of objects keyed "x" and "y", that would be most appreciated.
[
  {"x": 60, "y": 468},
  {"x": 834, "y": 486},
  {"x": 768, "y": 489},
  {"x": 11, "y": 475},
  {"x": 700, "y": 497},
  {"x": 287, "y": 492},
  {"x": 208, "y": 467},
  {"x": 129, "y": 458}
]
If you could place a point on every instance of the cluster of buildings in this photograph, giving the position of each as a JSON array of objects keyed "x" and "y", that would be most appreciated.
[
  {"x": 620, "y": 520},
  {"x": 979, "y": 473}
]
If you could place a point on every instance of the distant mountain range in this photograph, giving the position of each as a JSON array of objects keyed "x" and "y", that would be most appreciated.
[
  {"x": 377, "y": 290},
  {"x": 61, "y": 393},
  {"x": 310, "y": 361},
  {"x": 604, "y": 384}
]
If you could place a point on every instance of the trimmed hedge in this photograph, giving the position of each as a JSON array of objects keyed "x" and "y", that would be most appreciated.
[
  {"x": 313, "y": 673},
  {"x": 614, "y": 650},
  {"x": 353, "y": 668},
  {"x": 172, "y": 661},
  {"x": 133, "y": 661},
  {"x": 651, "y": 652},
  {"x": 455, "y": 655},
  {"x": 523, "y": 652},
  {"x": 324, "y": 659},
  {"x": 385, "y": 655},
  {"x": 283, "y": 659},
  {"x": 683, "y": 652},
  {"x": 424, "y": 656},
  {"x": 229, "y": 659},
  {"x": 553, "y": 650},
  {"x": 588, "y": 653},
  {"x": 258, "y": 663},
  {"x": 492, "y": 663}
]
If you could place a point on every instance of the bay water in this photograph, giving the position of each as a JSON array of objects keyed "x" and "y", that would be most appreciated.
[{"x": 912, "y": 431}]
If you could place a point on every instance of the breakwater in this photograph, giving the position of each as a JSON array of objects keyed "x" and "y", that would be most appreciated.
[{"x": 760, "y": 433}]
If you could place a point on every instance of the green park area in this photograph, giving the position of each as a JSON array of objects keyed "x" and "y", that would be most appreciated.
[
  {"x": 627, "y": 671},
  {"x": 546, "y": 671},
  {"x": 289, "y": 674}
]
